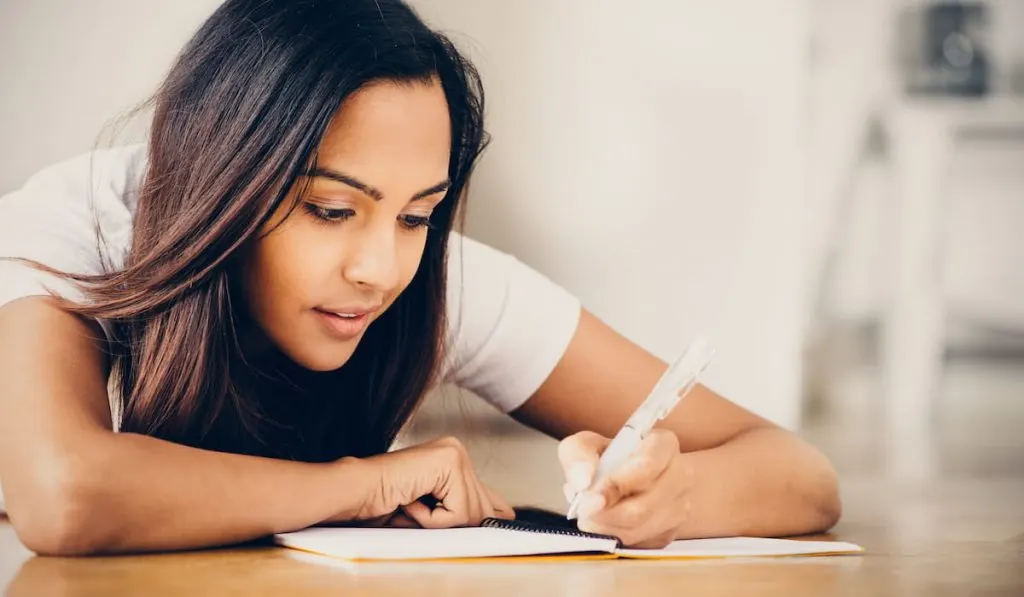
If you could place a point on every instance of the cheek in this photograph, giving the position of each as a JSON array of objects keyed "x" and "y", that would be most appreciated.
[
  {"x": 409, "y": 255},
  {"x": 299, "y": 266},
  {"x": 284, "y": 270}
]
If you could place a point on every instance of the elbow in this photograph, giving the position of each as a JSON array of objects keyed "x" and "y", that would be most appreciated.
[
  {"x": 62, "y": 535},
  {"x": 59, "y": 515},
  {"x": 828, "y": 505},
  {"x": 830, "y": 511}
]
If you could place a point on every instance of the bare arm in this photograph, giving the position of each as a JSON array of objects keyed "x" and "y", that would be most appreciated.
[
  {"x": 751, "y": 477},
  {"x": 73, "y": 486}
]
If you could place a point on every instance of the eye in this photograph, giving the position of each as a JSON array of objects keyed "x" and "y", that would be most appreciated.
[
  {"x": 413, "y": 222},
  {"x": 328, "y": 215}
]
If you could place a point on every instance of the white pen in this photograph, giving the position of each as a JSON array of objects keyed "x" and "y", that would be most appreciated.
[{"x": 677, "y": 381}]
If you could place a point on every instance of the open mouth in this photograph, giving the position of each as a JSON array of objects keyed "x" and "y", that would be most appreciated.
[{"x": 343, "y": 325}]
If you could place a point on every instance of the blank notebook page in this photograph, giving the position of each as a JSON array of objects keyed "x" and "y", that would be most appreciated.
[
  {"x": 740, "y": 547},
  {"x": 410, "y": 544}
]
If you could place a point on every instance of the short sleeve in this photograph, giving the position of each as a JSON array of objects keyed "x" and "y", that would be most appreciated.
[
  {"x": 59, "y": 216},
  {"x": 509, "y": 325}
]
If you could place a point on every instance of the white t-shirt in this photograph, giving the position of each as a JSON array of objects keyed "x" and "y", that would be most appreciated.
[{"x": 509, "y": 325}]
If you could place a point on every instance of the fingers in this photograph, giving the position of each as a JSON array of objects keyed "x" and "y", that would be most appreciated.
[
  {"x": 651, "y": 518},
  {"x": 640, "y": 472},
  {"x": 579, "y": 454},
  {"x": 394, "y": 520},
  {"x": 457, "y": 506},
  {"x": 402, "y": 521},
  {"x": 633, "y": 517},
  {"x": 501, "y": 508},
  {"x": 468, "y": 506},
  {"x": 639, "y": 525},
  {"x": 444, "y": 515},
  {"x": 420, "y": 513},
  {"x": 463, "y": 499},
  {"x": 373, "y": 523}
]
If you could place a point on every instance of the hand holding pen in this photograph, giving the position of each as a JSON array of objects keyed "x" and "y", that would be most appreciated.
[{"x": 633, "y": 486}]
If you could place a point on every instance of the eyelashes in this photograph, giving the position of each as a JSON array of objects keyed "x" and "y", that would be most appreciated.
[
  {"x": 415, "y": 222},
  {"x": 330, "y": 216}
]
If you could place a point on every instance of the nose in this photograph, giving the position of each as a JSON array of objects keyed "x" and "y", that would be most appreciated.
[{"x": 372, "y": 262}]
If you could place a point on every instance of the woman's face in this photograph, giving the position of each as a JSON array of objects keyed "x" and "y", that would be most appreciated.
[{"x": 354, "y": 242}]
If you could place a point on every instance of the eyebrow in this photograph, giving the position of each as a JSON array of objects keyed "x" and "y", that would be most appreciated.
[{"x": 355, "y": 183}]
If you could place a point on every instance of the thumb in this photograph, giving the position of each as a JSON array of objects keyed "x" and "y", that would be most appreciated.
[{"x": 579, "y": 454}]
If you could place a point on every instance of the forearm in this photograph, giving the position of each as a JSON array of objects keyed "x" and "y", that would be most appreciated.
[
  {"x": 765, "y": 482},
  {"x": 72, "y": 486},
  {"x": 136, "y": 493}
]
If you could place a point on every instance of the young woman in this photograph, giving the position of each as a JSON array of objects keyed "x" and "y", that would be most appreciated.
[{"x": 217, "y": 336}]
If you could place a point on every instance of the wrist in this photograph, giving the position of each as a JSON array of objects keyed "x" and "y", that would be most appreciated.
[
  {"x": 708, "y": 496},
  {"x": 355, "y": 487}
]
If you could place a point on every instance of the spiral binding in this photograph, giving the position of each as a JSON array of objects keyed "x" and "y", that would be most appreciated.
[{"x": 518, "y": 525}]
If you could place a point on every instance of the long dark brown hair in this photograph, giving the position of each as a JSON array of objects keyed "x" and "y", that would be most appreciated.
[{"x": 236, "y": 124}]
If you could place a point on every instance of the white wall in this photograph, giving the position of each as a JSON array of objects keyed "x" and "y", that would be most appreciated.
[
  {"x": 69, "y": 68},
  {"x": 648, "y": 156}
]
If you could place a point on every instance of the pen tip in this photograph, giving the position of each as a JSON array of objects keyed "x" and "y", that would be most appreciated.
[{"x": 571, "y": 514}]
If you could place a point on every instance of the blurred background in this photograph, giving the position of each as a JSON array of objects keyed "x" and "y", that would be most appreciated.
[{"x": 832, "y": 191}]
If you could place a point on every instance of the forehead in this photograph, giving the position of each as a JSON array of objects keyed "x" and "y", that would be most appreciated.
[{"x": 387, "y": 129}]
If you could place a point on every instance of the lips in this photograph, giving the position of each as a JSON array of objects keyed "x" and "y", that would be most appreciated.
[
  {"x": 345, "y": 323},
  {"x": 350, "y": 310}
]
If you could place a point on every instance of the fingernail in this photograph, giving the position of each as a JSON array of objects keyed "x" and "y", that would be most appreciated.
[
  {"x": 580, "y": 475},
  {"x": 570, "y": 492},
  {"x": 586, "y": 525},
  {"x": 590, "y": 504}
]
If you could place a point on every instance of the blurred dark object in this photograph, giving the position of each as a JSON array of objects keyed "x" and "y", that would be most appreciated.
[
  {"x": 944, "y": 49},
  {"x": 544, "y": 517}
]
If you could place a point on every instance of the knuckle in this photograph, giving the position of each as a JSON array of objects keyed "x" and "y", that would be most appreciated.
[
  {"x": 618, "y": 486},
  {"x": 663, "y": 434},
  {"x": 584, "y": 439},
  {"x": 452, "y": 450},
  {"x": 664, "y": 439},
  {"x": 565, "y": 449},
  {"x": 450, "y": 441},
  {"x": 571, "y": 446},
  {"x": 451, "y": 457},
  {"x": 642, "y": 464},
  {"x": 632, "y": 515}
]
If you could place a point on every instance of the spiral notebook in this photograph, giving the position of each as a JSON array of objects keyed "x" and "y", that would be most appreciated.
[{"x": 497, "y": 538}]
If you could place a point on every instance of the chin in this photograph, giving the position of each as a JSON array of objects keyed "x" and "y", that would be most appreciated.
[
  {"x": 326, "y": 363},
  {"x": 325, "y": 359}
]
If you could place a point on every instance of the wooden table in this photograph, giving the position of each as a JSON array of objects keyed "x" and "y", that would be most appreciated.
[
  {"x": 960, "y": 532},
  {"x": 932, "y": 539},
  {"x": 279, "y": 572}
]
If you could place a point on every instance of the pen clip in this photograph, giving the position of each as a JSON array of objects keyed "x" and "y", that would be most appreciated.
[{"x": 674, "y": 384}]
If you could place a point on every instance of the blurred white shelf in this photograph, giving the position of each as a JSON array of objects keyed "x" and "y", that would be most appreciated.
[
  {"x": 996, "y": 113},
  {"x": 924, "y": 134}
]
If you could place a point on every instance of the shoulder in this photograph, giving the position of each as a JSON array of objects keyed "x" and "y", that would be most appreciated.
[
  {"x": 116, "y": 170},
  {"x": 99, "y": 185},
  {"x": 508, "y": 323},
  {"x": 54, "y": 218}
]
